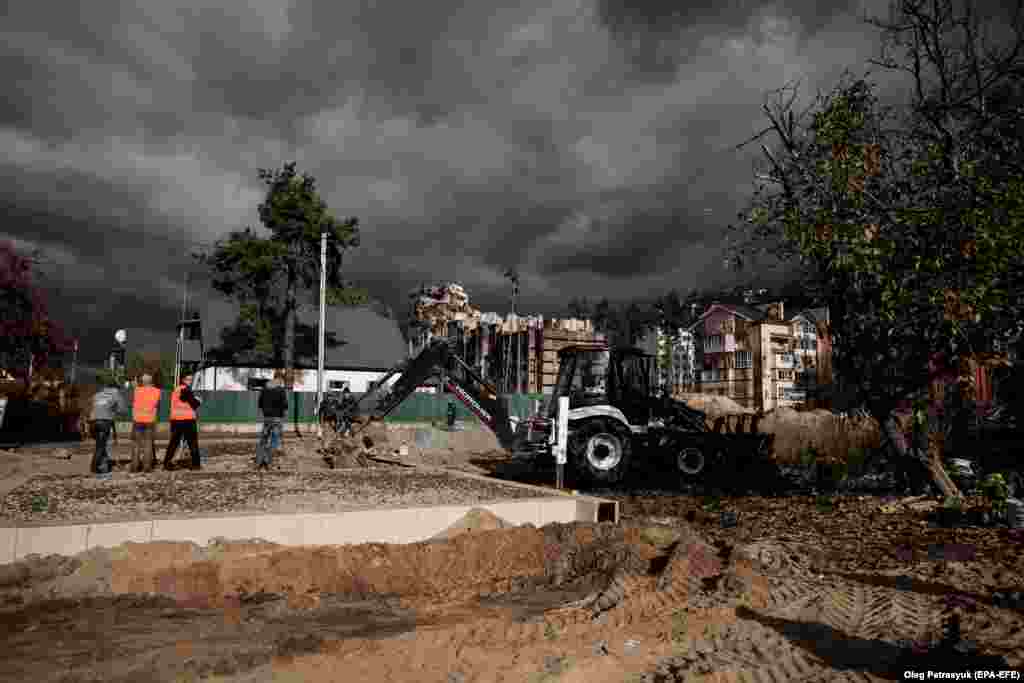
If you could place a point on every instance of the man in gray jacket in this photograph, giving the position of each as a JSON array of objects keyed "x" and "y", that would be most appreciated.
[{"x": 106, "y": 405}]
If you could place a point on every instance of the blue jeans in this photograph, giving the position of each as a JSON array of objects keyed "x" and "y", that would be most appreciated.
[
  {"x": 102, "y": 459},
  {"x": 270, "y": 439}
]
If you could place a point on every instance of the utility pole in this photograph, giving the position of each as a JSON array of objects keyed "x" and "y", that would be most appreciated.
[
  {"x": 323, "y": 318},
  {"x": 181, "y": 334}
]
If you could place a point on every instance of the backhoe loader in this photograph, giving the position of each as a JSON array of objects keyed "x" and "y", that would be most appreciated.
[{"x": 617, "y": 419}]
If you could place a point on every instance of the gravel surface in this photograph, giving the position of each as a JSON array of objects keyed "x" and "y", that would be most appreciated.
[{"x": 51, "y": 498}]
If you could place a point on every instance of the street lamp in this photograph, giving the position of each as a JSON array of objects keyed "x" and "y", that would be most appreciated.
[{"x": 117, "y": 355}]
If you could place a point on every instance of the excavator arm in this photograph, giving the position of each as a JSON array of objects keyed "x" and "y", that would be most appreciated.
[{"x": 438, "y": 359}]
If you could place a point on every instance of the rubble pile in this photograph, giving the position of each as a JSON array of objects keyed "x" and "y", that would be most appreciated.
[{"x": 367, "y": 439}]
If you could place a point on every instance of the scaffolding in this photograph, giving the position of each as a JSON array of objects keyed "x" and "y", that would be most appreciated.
[{"x": 516, "y": 353}]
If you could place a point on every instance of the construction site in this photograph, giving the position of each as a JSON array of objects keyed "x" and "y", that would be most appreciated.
[
  {"x": 431, "y": 552},
  {"x": 452, "y": 549}
]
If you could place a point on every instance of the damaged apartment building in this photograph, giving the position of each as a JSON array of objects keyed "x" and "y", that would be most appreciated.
[
  {"x": 519, "y": 354},
  {"x": 760, "y": 358}
]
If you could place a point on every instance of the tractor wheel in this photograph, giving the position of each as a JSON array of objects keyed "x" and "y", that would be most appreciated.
[
  {"x": 696, "y": 462},
  {"x": 601, "y": 451}
]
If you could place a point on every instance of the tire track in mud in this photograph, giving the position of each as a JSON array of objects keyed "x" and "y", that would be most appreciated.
[
  {"x": 749, "y": 620},
  {"x": 784, "y": 614}
]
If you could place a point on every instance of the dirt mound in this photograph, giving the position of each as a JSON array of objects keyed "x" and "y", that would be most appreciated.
[
  {"x": 714, "y": 405},
  {"x": 462, "y": 566},
  {"x": 830, "y": 436},
  {"x": 477, "y": 519}
]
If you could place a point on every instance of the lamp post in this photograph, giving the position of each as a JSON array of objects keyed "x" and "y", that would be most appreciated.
[{"x": 117, "y": 355}]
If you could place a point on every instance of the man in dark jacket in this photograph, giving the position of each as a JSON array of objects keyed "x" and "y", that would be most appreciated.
[
  {"x": 273, "y": 403},
  {"x": 184, "y": 405}
]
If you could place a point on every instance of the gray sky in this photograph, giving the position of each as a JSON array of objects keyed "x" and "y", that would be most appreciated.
[{"x": 588, "y": 145}]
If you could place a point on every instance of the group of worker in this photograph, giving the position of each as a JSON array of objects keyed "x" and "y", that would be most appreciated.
[{"x": 108, "y": 403}]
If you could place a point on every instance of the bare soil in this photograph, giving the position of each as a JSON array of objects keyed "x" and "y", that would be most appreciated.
[{"x": 800, "y": 588}]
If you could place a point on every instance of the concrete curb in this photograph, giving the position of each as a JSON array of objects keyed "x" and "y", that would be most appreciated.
[{"x": 388, "y": 525}]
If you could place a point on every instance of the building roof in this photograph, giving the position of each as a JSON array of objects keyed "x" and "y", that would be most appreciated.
[
  {"x": 749, "y": 312},
  {"x": 372, "y": 341},
  {"x": 759, "y": 313},
  {"x": 817, "y": 315}
]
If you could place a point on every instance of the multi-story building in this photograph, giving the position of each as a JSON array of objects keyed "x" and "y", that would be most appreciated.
[
  {"x": 676, "y": 365},
  {"x": 758, "y": 357}
]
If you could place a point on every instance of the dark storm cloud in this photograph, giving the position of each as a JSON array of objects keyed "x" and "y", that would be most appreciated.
[
  {"x": 656, "y": 37},
  {"x": 586, "y": 143}
]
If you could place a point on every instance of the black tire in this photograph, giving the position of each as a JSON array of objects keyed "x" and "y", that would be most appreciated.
[
  {"x": 696, "y": 462},
  {"x": 601, "y": 451}
]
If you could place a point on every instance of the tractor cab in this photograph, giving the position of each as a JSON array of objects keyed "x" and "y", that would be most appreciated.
[{"x": 594, "y": 375}]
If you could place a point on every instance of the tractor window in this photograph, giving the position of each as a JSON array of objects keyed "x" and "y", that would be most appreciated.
[
  {"x": 636, "y": 375},
  {"x": 592, "y": 373}
]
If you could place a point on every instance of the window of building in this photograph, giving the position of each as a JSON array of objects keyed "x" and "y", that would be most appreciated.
[
  {"x": 808, "y": 344},
  {"x": 744, "y": 359},
  {"x": 785, "y": 374},
  {"x": 714, "y": 342},
  {"x": 785, "y": 360},
  {"x": 808, "y": 329}
]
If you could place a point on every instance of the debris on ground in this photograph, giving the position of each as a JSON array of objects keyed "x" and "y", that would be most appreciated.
[
  {"x": 80, "y": 498},
  {"x": 798, "y": 587}
]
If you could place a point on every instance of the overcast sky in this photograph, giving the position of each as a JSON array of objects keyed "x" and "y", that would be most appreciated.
[{"x": 590, "y": 145}]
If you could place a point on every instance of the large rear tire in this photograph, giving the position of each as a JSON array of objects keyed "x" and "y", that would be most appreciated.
[{"x": 601, "y": 451}]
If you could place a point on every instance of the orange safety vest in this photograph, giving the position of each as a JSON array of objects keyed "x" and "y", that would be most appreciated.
[
  {"x": 179, "y": 409},
  {"x": 144, "y": 404}
]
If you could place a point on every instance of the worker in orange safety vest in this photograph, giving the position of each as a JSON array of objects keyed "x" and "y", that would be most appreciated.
[
  {"x": 144, "y": 407},
  {"x": 184, "y": 404}
]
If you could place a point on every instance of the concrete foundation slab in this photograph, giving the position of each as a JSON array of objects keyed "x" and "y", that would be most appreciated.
[{"x": 366, "y": 525}]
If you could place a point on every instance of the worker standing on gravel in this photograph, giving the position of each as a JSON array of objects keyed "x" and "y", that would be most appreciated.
[
  {"x": 184, "y": 405},
  {"x": 273, "y": 403},
  {"x": 106, "y": 405},
  {"x": 144, "y": 406}
]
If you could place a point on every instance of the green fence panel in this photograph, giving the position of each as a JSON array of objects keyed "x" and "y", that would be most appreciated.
[{"x": 242, "y": 406}]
